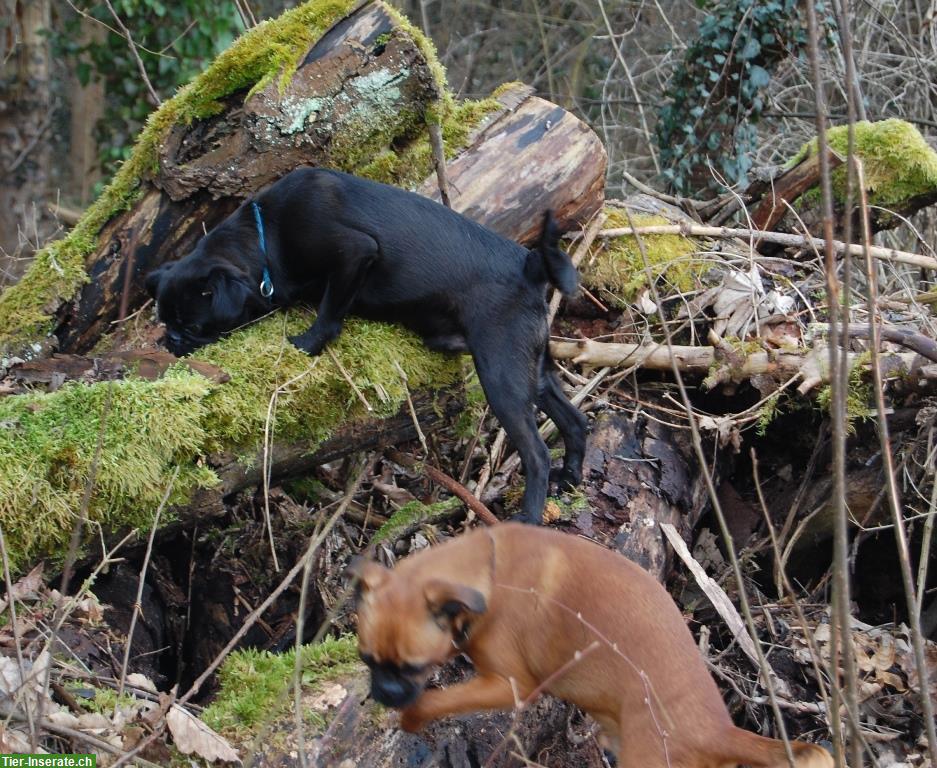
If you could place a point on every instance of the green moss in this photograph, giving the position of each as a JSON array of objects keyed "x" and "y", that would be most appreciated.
[
  {"x": 858, "y": 395},
  {"x": 260, "y": 360},
  {"x": 615, "y": 265},
  {"x": 898, "y": 163},
  {"x": 48, "y": 441},
  {"x": 426, "y": 47},
  {"x": 410, "y": 165},
  {"x": 255, "y": 684},
  {"x": 105, "y": 700},
  {"x": 498, "y": 92},
  {"x": 412, "y": 513},
  {"x": 260, "y": 54}
]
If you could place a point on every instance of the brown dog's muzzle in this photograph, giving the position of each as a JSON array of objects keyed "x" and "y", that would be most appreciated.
[{"x": 395, "y": 686}]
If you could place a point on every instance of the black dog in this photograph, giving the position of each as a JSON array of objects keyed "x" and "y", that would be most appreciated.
[{"x": 352, "y": 246}]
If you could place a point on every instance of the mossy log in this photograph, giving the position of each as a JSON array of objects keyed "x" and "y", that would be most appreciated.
[
  {"x": 362, "y": 85},
  {"x": 360, "y": 99},
  {"x": 899, "y": 173},
  {"x": 344, "y": 84}
]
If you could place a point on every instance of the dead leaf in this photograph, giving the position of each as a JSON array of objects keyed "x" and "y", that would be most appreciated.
[
  {"x": 13, "y": 741},
  {"x": 191, "y": 735},
  {"x": 142, "y": 682},
  {"x": 331, "y": 696},
  {"x": 93, "y": 721},
  {"x": 28, "y": 586}
]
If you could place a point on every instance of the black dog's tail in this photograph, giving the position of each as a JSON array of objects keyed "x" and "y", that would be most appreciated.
[{"x": 548, "y": 257}]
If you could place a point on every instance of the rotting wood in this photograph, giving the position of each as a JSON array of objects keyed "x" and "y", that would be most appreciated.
[
  {"x": 786, "y": 188},
  {"x": 492, "y": 182},
  {"x": 433, "y": 410},
  {"x": 208, "y": 167},
  {"x": 638, "y": 474}
]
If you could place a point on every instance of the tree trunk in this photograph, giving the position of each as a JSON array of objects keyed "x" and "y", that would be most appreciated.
[{"x": 25, "y": 119}]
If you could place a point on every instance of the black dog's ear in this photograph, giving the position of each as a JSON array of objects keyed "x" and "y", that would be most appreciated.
[
  {"x": 230, "y": 289},
  {"x": 446, "y": 599},
  {"x": 153, "y": 280}
]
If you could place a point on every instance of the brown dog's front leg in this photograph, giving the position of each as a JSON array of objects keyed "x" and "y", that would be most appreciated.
[{"x": 482, "y": 692}]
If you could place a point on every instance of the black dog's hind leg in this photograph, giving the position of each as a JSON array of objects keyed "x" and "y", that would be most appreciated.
[
  {"x": 507, "y": 366},
  {"x": 358, "y": 252},
  {"x": 568, "y": 419}
]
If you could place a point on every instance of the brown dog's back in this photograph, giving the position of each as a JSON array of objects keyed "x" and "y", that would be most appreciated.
[{"x": 595, "y": 629}]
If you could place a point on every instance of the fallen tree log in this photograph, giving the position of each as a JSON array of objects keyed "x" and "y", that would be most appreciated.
[
  {"x": 900, "y": 179},
  {"x": 358, "y": 100},
  {"x": 364, "y": 86}
]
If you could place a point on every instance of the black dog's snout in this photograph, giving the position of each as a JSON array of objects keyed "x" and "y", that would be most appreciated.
[
  {"x": 177, "y": 343},
  {"x": 393, "y": 690}
]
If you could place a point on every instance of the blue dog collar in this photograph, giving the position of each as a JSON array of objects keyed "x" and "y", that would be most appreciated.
[{"x": 266, "y": 284}]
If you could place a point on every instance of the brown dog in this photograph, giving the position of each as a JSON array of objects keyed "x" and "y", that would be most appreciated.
[{"x": 534, "y": 608}]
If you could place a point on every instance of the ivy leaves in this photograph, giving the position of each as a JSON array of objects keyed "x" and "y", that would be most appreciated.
[
  {"x": 175, "y": 39},
  {"x": 717, "y": 96}
]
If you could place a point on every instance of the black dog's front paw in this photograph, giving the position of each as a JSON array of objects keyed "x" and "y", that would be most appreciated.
[{"x": 311, "y": 346}]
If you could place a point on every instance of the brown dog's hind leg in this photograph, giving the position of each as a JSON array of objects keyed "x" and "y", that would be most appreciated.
[{"x": 481, "y": 692}]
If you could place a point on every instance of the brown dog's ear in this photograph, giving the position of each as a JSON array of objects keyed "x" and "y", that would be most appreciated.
[
  {"x": 370, "y": 575},
  {"x": 448, "y": 599}
]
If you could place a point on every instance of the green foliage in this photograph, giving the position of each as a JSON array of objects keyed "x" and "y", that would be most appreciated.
[
  {"x": 175, "y": 41},
  {"x": 768, "y": 413},
  {"x": 254, "y": 683},
  {"x": 717, "y": 95},
  {"x": 858, "y": 396},
  {"x": 897, "y": 162}
]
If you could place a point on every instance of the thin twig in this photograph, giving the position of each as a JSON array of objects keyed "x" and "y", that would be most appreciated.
[
  {"x": 137, "y": 610},
  {"x": 727, "y": 540},
  {"x": 841, "y": 635},
  {"x": 351, "y": 489},
  {"x": 699, "y": 230},
  {"x": 136, "y": 54},
  {"x": 894, "y": 499},
  {"x": 453, "y": 486},
  {"x": 251, "y": 619},
  {"x": 11, "y": 601},
  {"x": 588, "y": 237},
  {"x": 351, "y": 382},
  {"x": 439, "y": 159},
  {"x": 416, "y": 422}
]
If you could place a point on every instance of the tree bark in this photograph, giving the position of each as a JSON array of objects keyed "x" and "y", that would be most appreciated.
[{"x": 492, "y": 181}]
